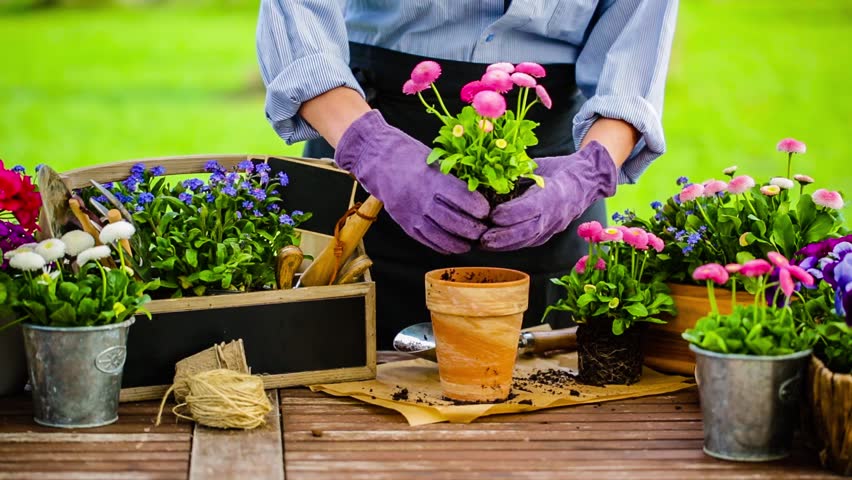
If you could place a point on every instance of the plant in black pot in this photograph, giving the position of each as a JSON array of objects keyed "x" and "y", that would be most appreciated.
[
  {"x": 613, "y": 295},
  {"x": 750, "y": 363},
  {"x": 75, "y": 302}
]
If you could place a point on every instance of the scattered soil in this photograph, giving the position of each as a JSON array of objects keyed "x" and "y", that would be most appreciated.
[
  {"x": 552, "y": 381},
  {"x": 316, "y": 433},
  {"x": 605, "y": 358},
  {"x": 525, "y": 402},
  {"x": 449, "y": 275},
  {"x": 400, "y": 394}
]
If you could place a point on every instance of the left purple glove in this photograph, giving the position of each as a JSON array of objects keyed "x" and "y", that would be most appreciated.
[{"x": 571, "y": 184}]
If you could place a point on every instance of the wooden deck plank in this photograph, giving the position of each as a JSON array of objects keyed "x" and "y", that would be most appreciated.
[{"x": 254, "y": 453}]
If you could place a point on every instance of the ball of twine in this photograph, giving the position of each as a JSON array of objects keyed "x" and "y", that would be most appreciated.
[{"x": 223, "y": 398}]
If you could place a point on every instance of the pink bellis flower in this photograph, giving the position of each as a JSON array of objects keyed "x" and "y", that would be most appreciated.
[
  {"x": 489, "y": 104},
  {"x": 411, "y": 87},
  {"x": 782, "y": 182},
  {"x": 828, "y": 199},
  {"x": 691, "y": 192},
  {"x": 532, "y": 69},
  {"x": 755, "y": 268},
  {"x": 590, "y": 231},
  {"x": 740, "y": 184},
  {"x": 543, "y": 96},
  {"x": 788, "y": 272},
  {"x": 656, "y": 242},
  {"x": 636, "y": 238},
  {"x": 713, "y": 186},
  {"x": 497, "y": 80},
  {"x": 770, "y": 190},
  {"x": 791, "y": 146},
  {"x": 504, "y": 66},
  {"x": 580, "y": 267},
  {"x": 426, "y": 72},
  {"x": 485, "y": 125},
  {"x": 610, "y": 234},
  {"x": 712, "y": 273},
  {"x": 733, "y": 267},
  {"x": 523, "y": 80},
  {"x": 471, "y": 89}
]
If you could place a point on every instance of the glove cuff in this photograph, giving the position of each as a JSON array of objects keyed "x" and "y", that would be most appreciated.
[
  {"x": 600, "y": 166},
  {"x": 356, "y": 139}
]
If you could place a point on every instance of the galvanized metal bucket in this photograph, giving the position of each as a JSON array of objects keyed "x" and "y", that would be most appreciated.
[
  {"x": 75, "y": 373},
  {"x": 749, "y": 403}
]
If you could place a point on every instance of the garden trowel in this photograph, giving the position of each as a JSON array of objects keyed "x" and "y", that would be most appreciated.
[{"x": 419, "y": 340}]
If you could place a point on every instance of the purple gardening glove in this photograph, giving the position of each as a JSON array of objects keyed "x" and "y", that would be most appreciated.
[
  {"x": 571, "y": 184},
  {"x": 435, "y": 209}
]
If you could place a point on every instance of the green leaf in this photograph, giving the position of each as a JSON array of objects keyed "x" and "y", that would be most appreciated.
[
  {"x": 64, "y": 315},
  {"x": 783, "y": 234},
  {"x": 435, "y": 154},
  {"x": 617, "y": 326},
  {"x": 637, "y": 310},
  {"x": 192, "y": 257}
]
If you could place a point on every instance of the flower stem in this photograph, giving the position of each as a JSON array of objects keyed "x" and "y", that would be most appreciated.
[
  {"x": 789, "y": 163},
  {"x": 733, "y": 293},
  {"x": 711, "y": 295},
  {"x": 431, "y": 109},
  {"x": 745, "y": 195},
  {"x": 704, "y": 214},
  {"x": 440, "y": 100}
]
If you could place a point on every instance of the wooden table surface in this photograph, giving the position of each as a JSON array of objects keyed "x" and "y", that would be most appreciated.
[{"x": 316, "y": 436}]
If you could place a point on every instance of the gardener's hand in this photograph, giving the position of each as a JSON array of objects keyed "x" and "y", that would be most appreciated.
[
  {"x": 435, "y": 209},
  {"x": 571, "y": 184}
]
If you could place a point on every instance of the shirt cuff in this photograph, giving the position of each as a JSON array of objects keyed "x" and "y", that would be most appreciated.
[
  {"x": 634, "y": 110},
  {"x": 301, "y": 81}
]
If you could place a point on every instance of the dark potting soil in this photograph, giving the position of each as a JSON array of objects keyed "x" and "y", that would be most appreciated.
[
  {"x": 605, "y": 358},
  {"x": 400, "y": 394},
  {"x": 449, "y": 275},
  {"x": 495, "y": 198}
]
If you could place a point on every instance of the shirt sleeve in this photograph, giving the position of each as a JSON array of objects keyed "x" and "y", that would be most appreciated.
[
  {"x": 303, "y": 52},
  {"x": 622, "y": 71}
]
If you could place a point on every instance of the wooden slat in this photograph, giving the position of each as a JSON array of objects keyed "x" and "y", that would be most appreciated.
[
  {"x": 473, "y": 447},
  {"x": 254, "y": 453}
]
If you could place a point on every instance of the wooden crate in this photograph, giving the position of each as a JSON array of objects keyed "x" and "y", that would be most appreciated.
[{"x": 292, "y": 337}]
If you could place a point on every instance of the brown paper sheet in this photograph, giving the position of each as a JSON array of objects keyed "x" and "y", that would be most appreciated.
[{"x": 423, "y": 403}]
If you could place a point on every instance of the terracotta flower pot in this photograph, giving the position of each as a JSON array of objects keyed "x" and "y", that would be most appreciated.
[
  {"x": 665, "y": 349},
  {"x": 830, "y": 399},
  {"x": 476, "y": 316}
]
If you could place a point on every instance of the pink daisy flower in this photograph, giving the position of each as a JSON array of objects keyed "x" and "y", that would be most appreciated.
[
  {"x": 589, "y": 231},
  {"x": 610, "y": 234},
  {"x": 504, "y": 66},
  {"x": 691, "y": 192},
  {"x": 711, "y": 271},
  {"x": 636, "y": 238},
  {"x": 828, "y": 198},
  {"x": 733, "y": 267},
  {"x": 791, "y": 145},
  {"x": 755, "y": 268},
  {"x": 497, "y": 80},
  {"x": 485, "y": 125},
  {"x": 411, "y": 87},
  {"x": 543, "y": 96},
  {"x": 489, "y": 104},
  {"x": 523, "y": 80},
  {"x": 531, "y": 68},
  {"x": 426, "y": 72},
  {"x": 740, "y": 184},
  {"x": 656, "y": 242},
  {"x": 803, "y": 179},
  {"x": 580, "y": 267},
  {"x": 470, "y": 90},
  {"x": 713, "y": 186}
]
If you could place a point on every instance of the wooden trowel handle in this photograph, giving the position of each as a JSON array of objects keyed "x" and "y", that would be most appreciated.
[
  {"x": 322, "y": 268},
  {"x": 562, "y": 339}
]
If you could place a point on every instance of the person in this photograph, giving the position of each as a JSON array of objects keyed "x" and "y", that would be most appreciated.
[{"x": 334, "y": 69}]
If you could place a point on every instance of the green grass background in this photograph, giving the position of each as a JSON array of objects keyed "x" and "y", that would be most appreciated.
[{"x": 87, "y": 86}]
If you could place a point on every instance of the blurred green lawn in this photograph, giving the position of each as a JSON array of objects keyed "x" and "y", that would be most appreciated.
[{"x": 81, "y": 87}]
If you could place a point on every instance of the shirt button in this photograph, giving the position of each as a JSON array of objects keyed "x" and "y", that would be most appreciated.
[{"x": 489, "y": 37}]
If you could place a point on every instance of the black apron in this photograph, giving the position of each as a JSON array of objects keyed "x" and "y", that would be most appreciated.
[{"x": 400, "y": 262}]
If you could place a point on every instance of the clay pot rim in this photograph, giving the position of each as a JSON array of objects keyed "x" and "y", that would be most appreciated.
[{"x": 434, "y": 276}]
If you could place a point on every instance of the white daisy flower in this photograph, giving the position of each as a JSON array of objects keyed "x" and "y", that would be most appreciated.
[
  {"x": 21, "y": 249},
  {"x": 27, "y": 261},
  {"x": 51, "y": 249},
  {"x": 730, "y": 170},
  {"x": 113, "y": 232},
  {"x": 782, "y": 182},
  {"x": 94, "y": 253},
  {"x": 76, "y": 241}
]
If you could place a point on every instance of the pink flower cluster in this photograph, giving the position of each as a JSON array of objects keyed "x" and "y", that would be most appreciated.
[
  {"x": 594, "y": 232},
  {"x": 485, "y": 94},
  {"x": 787, "y": 272},
  {"x": 743, "y": 183}
]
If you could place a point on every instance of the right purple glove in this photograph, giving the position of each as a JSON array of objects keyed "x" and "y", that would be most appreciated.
[{"x": 435, "y": 209}]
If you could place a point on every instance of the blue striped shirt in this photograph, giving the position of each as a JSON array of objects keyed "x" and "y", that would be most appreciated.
[{"x": 621, "y": 49}]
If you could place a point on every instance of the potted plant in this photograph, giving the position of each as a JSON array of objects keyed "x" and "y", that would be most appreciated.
[
  {"x": 19, "y": 206},
  {"x": 829, "y": 388},
  {"x": 485, "y": 144},
  {"x": 75, "y": 305},
  {"x": 750, "y": 363},
  {"x": 221, "y": 234},
  {"x": 613, "y": 296},
  {"x": 727, "y": 222},
  {"x": 476, "y": 316}
]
